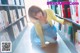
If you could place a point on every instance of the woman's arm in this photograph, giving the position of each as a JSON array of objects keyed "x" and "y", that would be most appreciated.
[
  {"x": 53, "y": 17},
  {"x": 39, "y": 32}
]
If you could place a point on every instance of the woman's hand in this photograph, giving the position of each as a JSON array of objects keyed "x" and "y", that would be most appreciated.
[
  {"x": 43, "y": 46},
  {"x": 65, "y": 22}
]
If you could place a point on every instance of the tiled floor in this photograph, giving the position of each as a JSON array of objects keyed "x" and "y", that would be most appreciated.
[{"x": 24, "y": 46}]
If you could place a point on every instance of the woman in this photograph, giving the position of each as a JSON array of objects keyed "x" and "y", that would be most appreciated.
[{"x": 43, "y": 30}]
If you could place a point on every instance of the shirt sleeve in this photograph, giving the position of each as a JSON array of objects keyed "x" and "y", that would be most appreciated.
[
  {"x": 38, "y": 29},
  {"x": 53, "y": 17}
]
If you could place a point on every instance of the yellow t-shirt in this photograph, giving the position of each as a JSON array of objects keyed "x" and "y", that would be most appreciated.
[{"x": 50, "y": 16}]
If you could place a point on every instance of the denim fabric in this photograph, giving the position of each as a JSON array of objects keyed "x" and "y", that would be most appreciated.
[
  {"x": 49, "y": 34},
  {"x": 49, "y": 31}
]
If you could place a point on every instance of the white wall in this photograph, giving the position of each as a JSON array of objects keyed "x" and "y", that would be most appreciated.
[{"x": 41, "y": 3}]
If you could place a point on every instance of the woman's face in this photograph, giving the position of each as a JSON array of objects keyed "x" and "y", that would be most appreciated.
[{"x": 40, "y": 16}]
